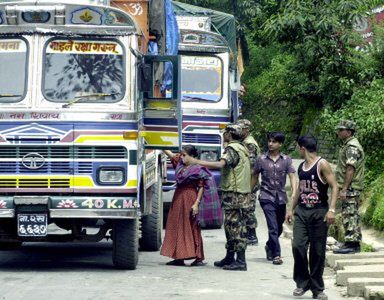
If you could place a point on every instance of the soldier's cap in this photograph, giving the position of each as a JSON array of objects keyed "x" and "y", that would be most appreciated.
[
  {"x": 346, "y": 124},
  {"x": 234, "y": 128},
  {"x": 244, "y": 123}
]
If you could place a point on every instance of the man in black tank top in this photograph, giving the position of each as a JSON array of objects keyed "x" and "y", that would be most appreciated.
[{"x": 312, "y": 215}]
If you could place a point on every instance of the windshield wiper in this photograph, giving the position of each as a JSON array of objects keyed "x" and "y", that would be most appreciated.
[
  {"x": 188, "y": 98},
  {"x": 79, "y": 98},
  {"x": 9, "y": 95}
]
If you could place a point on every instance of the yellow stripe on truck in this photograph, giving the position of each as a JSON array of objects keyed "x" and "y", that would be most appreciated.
[
  {"x": 98, "y": 138},
  {"x": 82, "y": 181},
  {"x": 74, "y": 181},
  {"x": 131, "y": 183},
  {"x": 163, "y": 138}
]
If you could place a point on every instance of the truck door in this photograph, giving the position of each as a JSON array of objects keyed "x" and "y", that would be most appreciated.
[{"x": 162, "y": 117}]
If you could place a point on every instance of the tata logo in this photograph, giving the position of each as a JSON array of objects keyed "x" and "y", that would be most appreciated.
[{"x": 33, "y": 161}]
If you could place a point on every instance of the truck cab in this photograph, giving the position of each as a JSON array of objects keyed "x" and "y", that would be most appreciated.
[
  {"x": 209, "y": 85},
  {"x": 205, "y": 92},
  {"x": 82, "y": 118}
]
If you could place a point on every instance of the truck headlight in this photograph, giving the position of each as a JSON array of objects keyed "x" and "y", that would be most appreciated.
[
  {"x": 209, "y": 155},
  {"x": 111, "y": 176}
]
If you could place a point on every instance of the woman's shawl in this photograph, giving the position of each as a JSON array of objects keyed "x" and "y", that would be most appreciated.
[{"x": 210, "y": 213}]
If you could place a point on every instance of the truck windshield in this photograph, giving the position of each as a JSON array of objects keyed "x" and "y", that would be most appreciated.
[
  {"x": 201, "y": 78},
  {"x": 88, "y": 71},
  {"x": 13, "y": 70}
]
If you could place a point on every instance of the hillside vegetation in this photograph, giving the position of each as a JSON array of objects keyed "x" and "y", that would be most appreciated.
[{"x": 307, "y": 68}]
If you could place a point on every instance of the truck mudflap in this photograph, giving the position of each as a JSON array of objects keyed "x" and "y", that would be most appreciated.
[{"x": 70, "y": 207}]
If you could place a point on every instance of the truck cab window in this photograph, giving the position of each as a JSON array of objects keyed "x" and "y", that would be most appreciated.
[
  {"x": 82, "y": 70},
  {"x": 201, "y": 78},
  {"x": 13, "y": 75}
]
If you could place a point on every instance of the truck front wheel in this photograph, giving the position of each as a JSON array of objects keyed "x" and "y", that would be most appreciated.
[
  {"x": 125, "y": 244},
  {"x": 151, "y": 225}
]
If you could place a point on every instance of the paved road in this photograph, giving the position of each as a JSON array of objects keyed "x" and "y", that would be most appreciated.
[{"x": 84, "y": 271}]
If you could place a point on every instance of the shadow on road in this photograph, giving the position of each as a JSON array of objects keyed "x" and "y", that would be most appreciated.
[{"x": 45, "y": 257}]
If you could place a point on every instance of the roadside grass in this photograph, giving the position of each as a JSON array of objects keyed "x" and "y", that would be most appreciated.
[{"x": 366, "y": 247}]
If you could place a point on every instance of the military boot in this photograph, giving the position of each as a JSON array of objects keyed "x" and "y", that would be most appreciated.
[
  {"x": 239, "y": 265},
  {"x": 251, "y": 237},
  {"x": 227, "y": 260},
  {"x": 348, "y": 248}
]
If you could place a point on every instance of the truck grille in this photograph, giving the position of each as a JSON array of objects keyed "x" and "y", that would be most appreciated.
[
  {"x": 193, "y": 138},
  {"x": 49, "y": 167},
  {"x": 65, "y": 152},
  {"x": 11, "y": 159},
  {"x": 35, "y": 183}
]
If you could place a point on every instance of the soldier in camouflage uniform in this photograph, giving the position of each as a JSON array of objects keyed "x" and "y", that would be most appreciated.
[
  {"x": 253, "y": 151},
  {"x": 236, "y": 189},
  {"x": 350, "y": 177}
]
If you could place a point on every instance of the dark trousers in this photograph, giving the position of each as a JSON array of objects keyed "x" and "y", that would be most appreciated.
[
  {"x": 274, "y": 215},
  {"x": 309, "y": 230}
]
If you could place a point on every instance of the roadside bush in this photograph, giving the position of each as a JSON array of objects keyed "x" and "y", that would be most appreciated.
[
  {"x": 367, "y": 109},
  {"x": 273, "y": 100},
  {"x": 374, "y": 214},
  {"x": 366, "y": 247}
]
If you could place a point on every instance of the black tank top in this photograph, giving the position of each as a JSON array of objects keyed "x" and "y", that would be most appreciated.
[{"x": 313, "y": 191}]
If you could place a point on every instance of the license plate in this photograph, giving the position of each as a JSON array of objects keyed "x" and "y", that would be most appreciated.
[{"x": 32, "y": 224}]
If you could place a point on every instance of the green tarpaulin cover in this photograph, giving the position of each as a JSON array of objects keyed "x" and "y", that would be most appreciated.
[{"x": 221, "y": 22}]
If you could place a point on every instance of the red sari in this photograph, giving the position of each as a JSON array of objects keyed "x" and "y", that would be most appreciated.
[{"x": 182, "y": 234}]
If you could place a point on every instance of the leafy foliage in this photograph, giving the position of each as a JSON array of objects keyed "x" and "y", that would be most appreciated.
[
  {"x": 319, "y": 34},
  {"x": 366, "y": 108},
  {"x": 266, "y": 101},
  {"x": 366, "y": 247},
  {"x": 304, "y": 67},
  {"x": 374, "y": 214}
]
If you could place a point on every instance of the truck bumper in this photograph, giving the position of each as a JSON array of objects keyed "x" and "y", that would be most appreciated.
[{"x": 72, "y": 207}]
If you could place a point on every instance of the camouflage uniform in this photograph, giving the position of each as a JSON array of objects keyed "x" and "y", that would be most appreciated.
[
  {"x": 235, "y": 195},
  {"x": 253, "y": 150},
  {"x": 234, "y": 207},
  {"x": 351, "y": 153}
]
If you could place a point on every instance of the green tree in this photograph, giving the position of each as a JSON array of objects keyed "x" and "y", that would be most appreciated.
[
  {"x": 320, "y": 34},
  {"x": 274, "y": 99}
]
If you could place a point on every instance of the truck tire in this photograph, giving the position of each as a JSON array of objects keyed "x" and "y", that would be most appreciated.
[
  {"x": 151, "y": 225},
  {"x": 125, "y": 253}
]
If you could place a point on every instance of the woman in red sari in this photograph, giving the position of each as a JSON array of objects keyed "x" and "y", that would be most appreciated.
[{"x": 183, "y": 239}]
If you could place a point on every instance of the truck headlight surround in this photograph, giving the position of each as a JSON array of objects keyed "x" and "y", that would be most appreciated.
[{"x": 111, "y": 176}]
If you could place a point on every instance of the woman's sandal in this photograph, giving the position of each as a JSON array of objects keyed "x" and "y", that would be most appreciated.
[
  {"x": 176, "y": 262},
  {"x": 198, "y": 263},
  {"x": 277, "y": 260}
]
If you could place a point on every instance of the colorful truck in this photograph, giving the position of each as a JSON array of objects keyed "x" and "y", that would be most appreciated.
[
  {"x": 84, "y": 111},
  {"x": 209, "y": 80}
]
